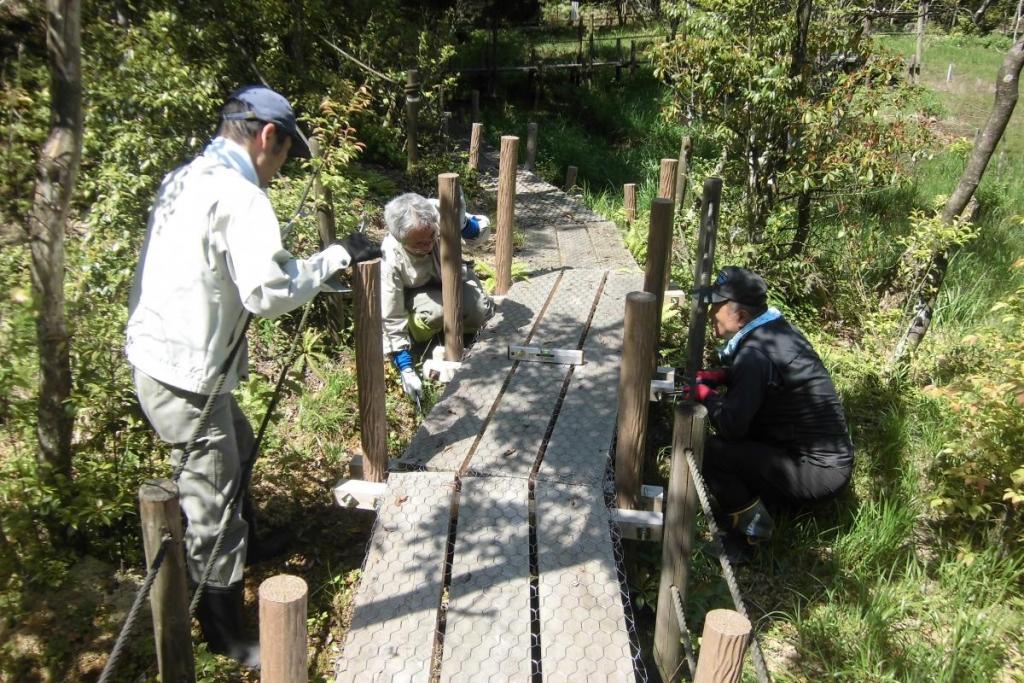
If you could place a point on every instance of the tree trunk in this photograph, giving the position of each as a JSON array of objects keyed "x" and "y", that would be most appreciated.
[
  {"x": 979, "y": 13},
  {"x": 55, "y": 179},
  {"x": 1007, "y": 90},
  {"x": 803, "y": 224}
]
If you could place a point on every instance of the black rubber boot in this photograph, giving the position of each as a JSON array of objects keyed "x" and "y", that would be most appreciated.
[{"x": 220, "y": 616}]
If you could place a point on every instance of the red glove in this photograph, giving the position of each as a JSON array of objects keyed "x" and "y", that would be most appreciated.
[
  {"x": 713, "y": 377},
  {"x": 703, "y": 391}
]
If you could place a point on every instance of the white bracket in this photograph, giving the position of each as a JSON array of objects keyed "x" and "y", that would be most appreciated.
[
  {"x": 439, "y": 369},
  {"x": 652, "y": 497},
  {"x": 358, "y": 494},
  {"x": 639, "y": 525},
  {"x": 664, "y": 381},
  {"x": 541, "y": 354}
]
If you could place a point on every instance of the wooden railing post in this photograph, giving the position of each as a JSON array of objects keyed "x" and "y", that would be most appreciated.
[
  {"x": 451, "y": 264},
  {"x": 659, "y": 245},
  {"x": 680, "y": 507},
  {"x": 412, "y": 108},
  {"x": 506, "y": 214},
  {"x": 474, "y": 145},
  {"x": 172, "y": 626},
  {"x": 283, "y": 646},
  {"x": 722, "y": 646},
  {"x": 638, "y": 342},
  {"x": 667, "y": 181},
  {"x": 326, "y": 226},
  {"x": 570, "y": 177},
  {"x": 373, "y": 433},
  {"x": 629, "y": 202},
  {"x": 531, "y": 146}
]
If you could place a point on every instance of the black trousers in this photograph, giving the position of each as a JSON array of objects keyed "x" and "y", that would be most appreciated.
[{"x": 737, "y": 472}]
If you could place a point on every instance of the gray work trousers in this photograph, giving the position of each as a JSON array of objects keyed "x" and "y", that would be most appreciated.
[
  {"x": 425, "y": 304},
  {"x": 212, "y": 475}
]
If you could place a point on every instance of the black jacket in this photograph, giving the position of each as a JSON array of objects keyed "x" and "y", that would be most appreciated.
[{"x": 780, "y": 393}]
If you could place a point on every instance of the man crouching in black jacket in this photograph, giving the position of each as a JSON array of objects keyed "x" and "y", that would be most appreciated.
[{"x": 780, "y": 433}]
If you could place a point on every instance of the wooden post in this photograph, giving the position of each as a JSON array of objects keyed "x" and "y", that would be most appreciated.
[
  {"x": 474, "y": 145},
  {"x": 722, "y": 646},
  {"x": 570, "y": 177},
  {"x": 412, "y": 107},
  {"x": 474, "y": 110},
  {"x": 683, "y": 172},
  {"x": 638, "y": 342},
  {"x": 922, "y": 16},
  {"x": 659, "y": 245},
  {"x": 373, "y": 433},
  {"x": 667, "y": 181},
  {"x": 629, "y": 202},
  {"x": 168, "y": 599},
  {"x": 680, "y": 507},
  {"x": 618, "y": 59},
  {"x": 283, "y": 646},
  {"x": 506, "y": 214},
  {"x": 451, "y": 264},
  {"x": 327, "y": 228},
  {"x": 531, "y": 146}
]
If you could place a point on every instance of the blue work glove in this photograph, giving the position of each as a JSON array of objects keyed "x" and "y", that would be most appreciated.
[{"x": 412, "y": 385}]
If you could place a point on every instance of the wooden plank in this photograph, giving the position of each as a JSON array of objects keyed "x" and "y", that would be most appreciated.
[
  {"x": 487, "y": 636},
  {"x": 396, "y": 605},
  {"x": 583, "y": 633}
]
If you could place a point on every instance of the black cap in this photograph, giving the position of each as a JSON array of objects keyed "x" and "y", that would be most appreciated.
[
  {"x": 271, "y": 107},
  {"x": 740, "y": 285}
]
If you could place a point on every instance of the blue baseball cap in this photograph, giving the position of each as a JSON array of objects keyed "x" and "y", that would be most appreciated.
[{"x": 270, "y": 107}]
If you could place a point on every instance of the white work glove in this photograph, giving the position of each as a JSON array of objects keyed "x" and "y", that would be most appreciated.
[{"x": 412, "y": 385}]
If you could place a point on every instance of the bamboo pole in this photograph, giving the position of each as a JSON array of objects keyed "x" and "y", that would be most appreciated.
[
  {"x": 474, "y": 145},
  {"x": 570, "y": 177},
  {"x": 629, "y": 202},
  {"x": 412, "y": 107},
  {"x": 638, "y": 343},
  {"x": 531, "y": 146},
  {"x": 373, "y": 433},
  {"x": 722, "y": 646},
  {"x": 680, "y": 507},
  {"x": 659, "y": 246},
  {"x": 160, "y": 514},
  {"x": 506, "y": 214},
  {"x": 667, "y": 181},
  {"x": 451, "y": 264},
  {"x": 283, "y": 646}
]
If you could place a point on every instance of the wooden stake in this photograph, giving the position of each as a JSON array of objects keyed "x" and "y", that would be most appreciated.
[
  {"x": 168, "y": 599},
  {"x": 373, "y": 433},
  {"x": 531, "y": 146},
  {"x": 667, "y": 181},
  {"x": 474, "y": 145},
  {"x": 629, "y": 202},
  {"x": 283, "y": 646},
  {"x": 506, "y": 214},
  {"x": 570, "y": 177},
  {"x": 638, "y": 342},
  {"x": 659, "y": 246},
  {"x": 722, "y": 646},
  {"x": 412, "y": 107},
  {"x": 451, "y": 264},
  {"x": 680, "y": 507}
]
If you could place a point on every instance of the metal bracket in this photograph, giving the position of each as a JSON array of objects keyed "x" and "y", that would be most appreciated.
[
  {"x": 664, "y": 382},
  {"x": 358, "y": 494},
  {"x": 639, "y": 525},
  {"x": 439, "y": 369},
  {"x": 541, "y": 354}
]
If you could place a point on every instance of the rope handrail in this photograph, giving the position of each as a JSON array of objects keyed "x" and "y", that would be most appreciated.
[
  {"x": 133, "y": 613},
  {"x": 728, "y": 574}
]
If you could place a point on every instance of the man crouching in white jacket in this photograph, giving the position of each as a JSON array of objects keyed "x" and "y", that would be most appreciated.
[{"x": 411, "y": 280}]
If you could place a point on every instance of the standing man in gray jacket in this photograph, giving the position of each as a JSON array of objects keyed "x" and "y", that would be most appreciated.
[{"x": 212, "y": 255}]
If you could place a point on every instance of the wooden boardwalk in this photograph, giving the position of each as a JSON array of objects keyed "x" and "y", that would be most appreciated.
[{"x": 492, "y": 557}]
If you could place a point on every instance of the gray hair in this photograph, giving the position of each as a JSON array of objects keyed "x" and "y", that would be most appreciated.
[{"x": 409, "y": 211}]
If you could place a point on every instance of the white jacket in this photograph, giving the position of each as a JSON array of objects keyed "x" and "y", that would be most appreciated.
[{"x": 212, "y": 251}]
